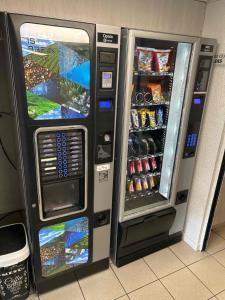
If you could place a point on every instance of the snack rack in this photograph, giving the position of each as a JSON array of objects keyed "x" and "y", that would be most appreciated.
[{"x": 142, "y": 183}]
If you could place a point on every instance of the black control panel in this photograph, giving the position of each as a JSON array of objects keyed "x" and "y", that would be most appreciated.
[
  {"x": 197, "y": 105},
  {"x": 61, "y": 154},
  {"x": 105, "y": 103}
]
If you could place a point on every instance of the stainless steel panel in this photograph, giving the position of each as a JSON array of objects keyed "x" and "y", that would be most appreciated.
[
  {"x": 103, "y": 182},
  {"x": 178, "y": 224},
  {"x": 101, "y": 242}
]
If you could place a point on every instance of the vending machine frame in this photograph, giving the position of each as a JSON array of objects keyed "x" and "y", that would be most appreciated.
[
  {"x": 97, "y": 152},
  {"x": 165, "y": 220}
]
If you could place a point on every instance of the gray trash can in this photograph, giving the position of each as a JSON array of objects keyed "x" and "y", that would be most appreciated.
[{"x": 14, "y": 253}]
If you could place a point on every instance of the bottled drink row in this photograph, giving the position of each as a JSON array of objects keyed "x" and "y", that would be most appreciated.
[
  {"x": 142, "y": 183},
  {"x": 144, "y": 118},
  {"x": 144, "y": 165}
]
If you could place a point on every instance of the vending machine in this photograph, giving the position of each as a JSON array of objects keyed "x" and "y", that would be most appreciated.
[
  {"x": 162, "y": 92},
  {"x": 62, "y": 84}
]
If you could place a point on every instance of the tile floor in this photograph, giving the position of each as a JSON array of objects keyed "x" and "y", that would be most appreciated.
[{"x": 176, "y": 272}]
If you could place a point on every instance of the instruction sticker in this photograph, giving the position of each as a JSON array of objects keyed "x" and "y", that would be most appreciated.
[{"x": 104, "y": 167}]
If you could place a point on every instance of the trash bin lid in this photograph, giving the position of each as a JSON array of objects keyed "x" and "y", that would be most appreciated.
[{"x": 13, "y": 244}]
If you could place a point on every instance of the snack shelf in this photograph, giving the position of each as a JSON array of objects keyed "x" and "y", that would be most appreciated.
[
  {"x": 145, "y": 156},
  {"x": 134, "y": 195},
  {"x": 147, "y": 128},
  {"x": 153, "y": 74},
  {"x": 155, "y": 173},
  {"x": 150, "y": 104}
]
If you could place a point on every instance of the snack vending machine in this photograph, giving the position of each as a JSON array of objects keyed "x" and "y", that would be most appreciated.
[
  {"x": 62, "y": 83},
  {"x": 162, "y": 91}
]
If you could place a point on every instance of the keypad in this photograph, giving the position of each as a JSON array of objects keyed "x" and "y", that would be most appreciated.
[{"x": 192, "y": 140}]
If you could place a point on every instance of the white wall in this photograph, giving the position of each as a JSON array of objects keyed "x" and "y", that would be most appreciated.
[
  {"x": 210, "y": 152},
  {"x": 175, "y": 16},
  {"x": 219, "y": 217}
]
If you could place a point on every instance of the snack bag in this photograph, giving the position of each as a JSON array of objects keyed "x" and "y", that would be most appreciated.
[
  {"x": 143, "y": 117},
  {"x": 159, "y": 114},
  {"x": 145, "y": 57},
  {"x": 134, "y": 118},
  {"x": 162, "y": 59},
  {"x": 156, "y": 92},
  {"x": 151, "y": 118}
]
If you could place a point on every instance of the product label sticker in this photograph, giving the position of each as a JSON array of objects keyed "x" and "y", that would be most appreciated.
[
  {"x": 103, "y": 176},
  {"x": 104, "y": 167}
]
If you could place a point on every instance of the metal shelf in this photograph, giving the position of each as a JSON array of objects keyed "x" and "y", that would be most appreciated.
[
  {"x": 135, "y": 195},
  {"x": 147, "y": 128},
  {"x": 154, "y": 74},
  {"x": 145, "y": 156},
  {"x": 150, "y": 104}
]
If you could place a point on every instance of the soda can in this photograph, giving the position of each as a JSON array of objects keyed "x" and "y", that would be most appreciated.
[
  {"x": 144, "y": 182},
  {"x": 131, "y": 167},
  {"x": 146, "y": 165},
  {"x": 138, "y": 164},
  {"x": 153, "y": 163},
  {"x": 159, "y": 116},
  {"x": 137, "y": 183},
  {"x": 134, "y": 118},
  {"x": 130, "y": 185}
]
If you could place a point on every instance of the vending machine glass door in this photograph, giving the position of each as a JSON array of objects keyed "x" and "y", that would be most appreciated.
[{"x": 160, "y": 69}]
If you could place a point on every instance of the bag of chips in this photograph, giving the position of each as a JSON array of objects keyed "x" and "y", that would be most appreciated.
[
  {"x": 145, "y": 57},
  {"x": 162, "y": 59},
  {"x": 156, "y": 92}
]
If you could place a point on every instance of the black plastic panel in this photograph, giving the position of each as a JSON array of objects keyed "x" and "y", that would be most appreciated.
[
  {"x": 149, "y": 226},
  {"x": 105, "y": 103},
  {"x": 194, "y": 124}
]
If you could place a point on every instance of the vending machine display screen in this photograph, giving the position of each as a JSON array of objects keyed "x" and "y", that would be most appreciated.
[
  {"x": 105, "y": 104},
  {"x": 56, "y": 64},
  {"x": 107, "y": 80}
]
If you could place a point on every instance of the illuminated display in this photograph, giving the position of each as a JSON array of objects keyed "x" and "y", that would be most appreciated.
[
  {"x": 64, "y": 245},
  {"x": 107, "y": 80},
  {"x": 105, "y": 104},
  {"x": 56, "y": 64},
  {"x": 197, "y": 100}
]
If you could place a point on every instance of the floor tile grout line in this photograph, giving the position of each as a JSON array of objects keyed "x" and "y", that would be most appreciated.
[
  {"x": 118, "y": 279},
  {"x": 82, "y": 292},
  {"x": 190, "y": 263},
  {"x": 159, "y": 278},
  {"x": 218, "y": 234},
  {"x": 201, "y": 281},
  {"x": 127, "y": 293}
]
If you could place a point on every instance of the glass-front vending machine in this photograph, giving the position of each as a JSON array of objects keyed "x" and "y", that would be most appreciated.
[
  {"x": 154, "y": 158},
  {"x": 62, "y": 83}
]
